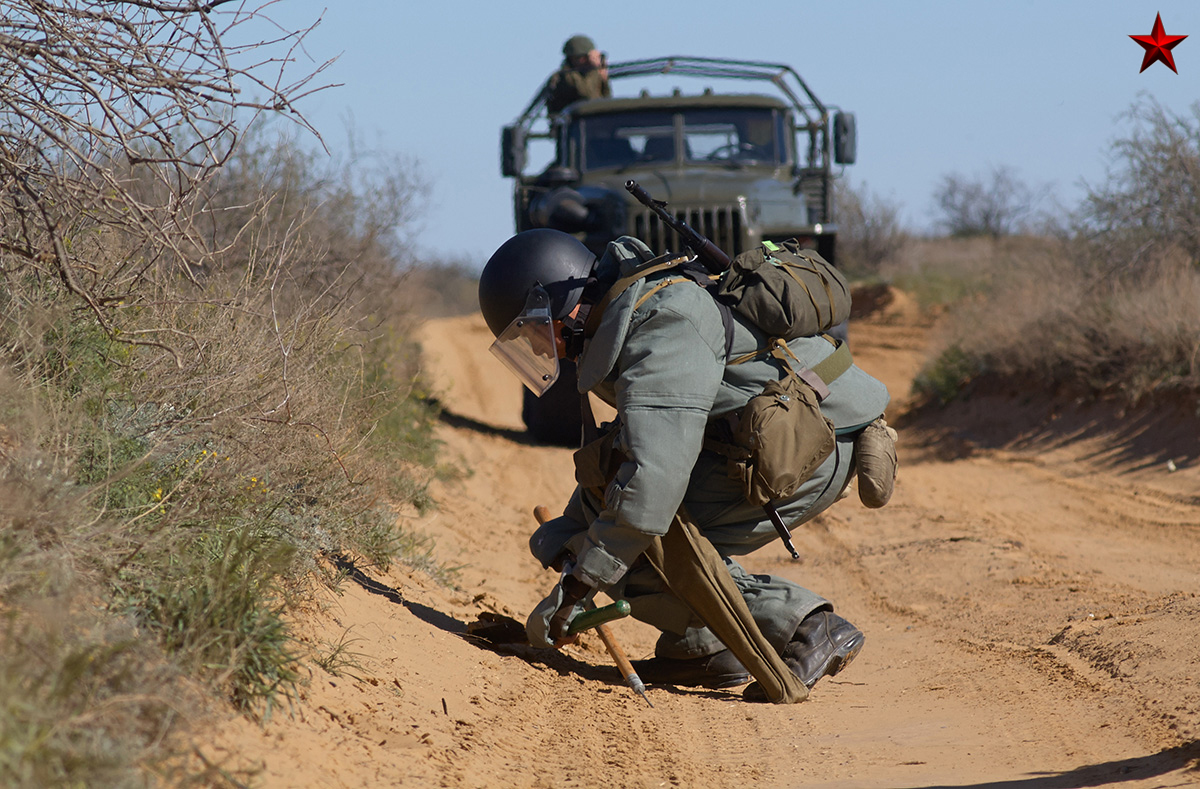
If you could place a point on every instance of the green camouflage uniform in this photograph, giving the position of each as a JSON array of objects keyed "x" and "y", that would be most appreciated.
[
  {"x": 662, "y": 366},
  {"x": 570, "y": 84}
]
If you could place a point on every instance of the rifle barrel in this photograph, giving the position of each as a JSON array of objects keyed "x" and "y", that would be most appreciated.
[{"x": 708, "y": 253}]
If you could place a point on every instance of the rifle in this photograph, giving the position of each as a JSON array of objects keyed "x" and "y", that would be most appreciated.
[{"x": 706, "y": 251}]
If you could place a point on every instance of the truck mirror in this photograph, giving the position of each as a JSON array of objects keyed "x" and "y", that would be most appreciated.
[
  {"x": 512, "y": 151},
  {"x": 845, "y": 139}
]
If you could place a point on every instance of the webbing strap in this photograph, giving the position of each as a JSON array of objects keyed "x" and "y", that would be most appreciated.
[
  {"x": 826, "y": 371},
  {"x": 788, "y": 267},
  {"x": 619, "y": 287},
  {"x": 836, "y": 363},
  {"x": 690, "y": 273},
  {"x": 657, "y": 287}
]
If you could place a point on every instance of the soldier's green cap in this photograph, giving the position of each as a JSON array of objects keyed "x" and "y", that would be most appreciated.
[{"x": 578, "y": 46}]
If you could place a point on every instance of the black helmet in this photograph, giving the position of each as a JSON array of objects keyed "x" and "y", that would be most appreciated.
[{"x": 559, "y": 262}]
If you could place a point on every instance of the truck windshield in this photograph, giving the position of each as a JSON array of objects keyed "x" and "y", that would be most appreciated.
[
  {"x": 729, "y": 134},
  {"x": 745, "y": 135}
]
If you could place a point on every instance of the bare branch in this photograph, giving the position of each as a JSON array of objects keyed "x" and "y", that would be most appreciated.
[{"x": 113, "y": 115}]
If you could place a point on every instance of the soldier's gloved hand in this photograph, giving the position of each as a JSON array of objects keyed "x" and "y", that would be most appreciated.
[{"x": 547, "y": 625}]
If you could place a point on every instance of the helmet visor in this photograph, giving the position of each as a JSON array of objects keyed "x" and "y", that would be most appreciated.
[{"x": 527, "y": 347}]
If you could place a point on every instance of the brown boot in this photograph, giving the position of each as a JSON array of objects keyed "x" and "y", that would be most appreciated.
[{"x": 823, "y": 645}]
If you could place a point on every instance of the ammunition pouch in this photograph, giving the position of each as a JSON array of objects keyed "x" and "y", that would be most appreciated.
[{"x": 780, "y": 437}]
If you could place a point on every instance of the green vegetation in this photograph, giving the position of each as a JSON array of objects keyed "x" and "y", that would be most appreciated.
[
  {"x": 164, "y": 508},
  {"x": 161, "y": 518}
]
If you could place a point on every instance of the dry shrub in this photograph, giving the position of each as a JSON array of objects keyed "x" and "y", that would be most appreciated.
[
  {"x": 1109, "y": 306},
  {"x": 869, "y": 232},
  {"x": 190, "y": 491},
  {"x": 204, "y": 386},
  {"x": 1050, "y": 324},
  {"x": 998, "y": 204},
  {"x": 943, "y": 271},
  {"x": 442, "y": 289},
  {"x": 114, "y": 116},
  {"x": 1149, "y": 202}
]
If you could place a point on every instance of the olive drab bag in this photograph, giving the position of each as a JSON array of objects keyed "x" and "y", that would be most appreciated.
[
  {"x": 786, "y": 291},
  {"x": 780, "y": 437}
]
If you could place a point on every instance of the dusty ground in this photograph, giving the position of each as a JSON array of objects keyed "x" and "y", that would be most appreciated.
[{"x": 1029, "y": 599}]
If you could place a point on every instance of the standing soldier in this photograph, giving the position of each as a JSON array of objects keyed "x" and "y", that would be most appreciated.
[
  {"x": 657, "y": 351},
  {"x": 584, "y": 75}
]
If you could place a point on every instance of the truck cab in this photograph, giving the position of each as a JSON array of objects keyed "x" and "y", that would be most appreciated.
[{"x": 740, "y": 167}]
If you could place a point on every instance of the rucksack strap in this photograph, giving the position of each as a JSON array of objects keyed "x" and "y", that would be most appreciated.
[
  {"x": 820, "y": 375},
  {"x": 620, "y": 286},
  {"x": 690, "y": 272}
]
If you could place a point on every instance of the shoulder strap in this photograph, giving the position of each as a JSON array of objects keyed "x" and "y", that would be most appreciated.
[
  {"x": 692, "y": 273},
  {"x": 619, "y": 287}
]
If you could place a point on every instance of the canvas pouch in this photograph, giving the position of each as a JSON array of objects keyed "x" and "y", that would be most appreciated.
[{"x": 780, "y": 437}]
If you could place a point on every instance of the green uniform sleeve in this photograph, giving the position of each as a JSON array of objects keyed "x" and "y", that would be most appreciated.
[
  {"x": 668, "y": 373},
  {"x": 570, "y": 85}
]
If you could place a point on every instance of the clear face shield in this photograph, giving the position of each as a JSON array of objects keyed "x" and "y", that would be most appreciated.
[{"x": 528, "y": 347}]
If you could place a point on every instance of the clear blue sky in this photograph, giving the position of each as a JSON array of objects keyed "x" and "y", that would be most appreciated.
[{"x": 937, "y": 87}]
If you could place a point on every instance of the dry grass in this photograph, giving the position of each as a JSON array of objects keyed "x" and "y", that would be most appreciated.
[
  {"x": 170, "y": 503},
  {"x": 206, "y": 382},
  {"x": 1108, "y": 306},
  {"x": 1040, "y": 319}
]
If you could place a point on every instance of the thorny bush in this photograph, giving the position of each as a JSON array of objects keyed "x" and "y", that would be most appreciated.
[
  {"x": 205, "y": 382},
  {"x": 1108, "y": 308}
]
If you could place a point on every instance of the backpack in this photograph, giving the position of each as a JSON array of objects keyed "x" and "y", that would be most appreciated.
[{"x": 786, "y": 291}]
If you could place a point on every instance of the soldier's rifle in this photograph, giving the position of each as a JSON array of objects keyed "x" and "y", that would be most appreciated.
[{"x": 708, "y": 253}]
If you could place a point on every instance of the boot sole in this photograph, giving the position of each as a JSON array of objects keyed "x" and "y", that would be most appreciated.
[
  {"x": 731, "y": 681},
  {"x": 690, "y": 678}
]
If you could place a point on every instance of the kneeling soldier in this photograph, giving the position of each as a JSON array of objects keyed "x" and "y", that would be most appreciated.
[{"x": 657, "y": 351}]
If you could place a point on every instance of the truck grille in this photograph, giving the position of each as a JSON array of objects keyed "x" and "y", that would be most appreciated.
[
  {"x": 816, "y": 198},
  {"x": 722, "y": 226}
]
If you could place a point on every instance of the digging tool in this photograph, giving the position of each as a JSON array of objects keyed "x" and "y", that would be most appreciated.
[
  {"x": 610, "y": 642},
  {"x": 595, "y": 617}
]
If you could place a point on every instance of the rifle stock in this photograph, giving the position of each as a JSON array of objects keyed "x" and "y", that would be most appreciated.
[{"x": 708, "y": 253}]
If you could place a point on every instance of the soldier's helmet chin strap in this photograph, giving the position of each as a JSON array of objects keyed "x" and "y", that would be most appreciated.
[
  {"x": 572, "y": 332},
  {"x": 573, "y": 327}
]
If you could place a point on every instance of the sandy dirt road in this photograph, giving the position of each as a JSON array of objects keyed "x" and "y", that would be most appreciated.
[{"x": 1029, "y": 599}]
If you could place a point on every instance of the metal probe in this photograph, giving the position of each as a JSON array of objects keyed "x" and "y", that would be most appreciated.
[{"x": 610, "y": 642}]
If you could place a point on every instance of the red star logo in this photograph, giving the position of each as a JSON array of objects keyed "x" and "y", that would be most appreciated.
[{"x": 1158, "y": 46}]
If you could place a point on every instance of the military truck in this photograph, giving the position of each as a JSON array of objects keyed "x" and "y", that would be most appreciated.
[{"x": 739, "y": 167}]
